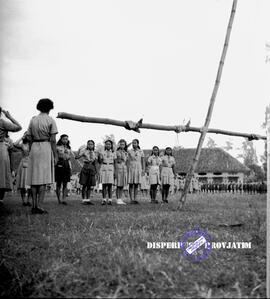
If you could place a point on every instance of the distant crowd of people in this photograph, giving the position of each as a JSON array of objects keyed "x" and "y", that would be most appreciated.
[{"x": 46, "y": 161}]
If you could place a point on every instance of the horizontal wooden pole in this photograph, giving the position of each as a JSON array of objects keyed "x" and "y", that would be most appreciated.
[{"x": 176, "y": 128}]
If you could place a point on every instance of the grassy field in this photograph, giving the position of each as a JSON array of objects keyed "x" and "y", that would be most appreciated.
[{"x": 100, "y": 251}]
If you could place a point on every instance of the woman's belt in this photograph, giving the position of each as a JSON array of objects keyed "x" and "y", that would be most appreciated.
[
  {"x": 107, "y": 163},
  {"x": 40, "y": 140}
]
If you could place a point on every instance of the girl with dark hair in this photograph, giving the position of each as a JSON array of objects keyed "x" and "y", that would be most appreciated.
[
  {"x": 136, "y": 168},
  {"x": 107, "y": 160},
  {"x": 42, "y": 131},
  {"x": 23, "y": 144},
  {"x": 154, "y": 163},
  {"x": 62, "y": 167},
  {"x": 5, "y": 172},
  {"x": 89, "y": 170},
  {"x": 167, "y": 173},
  {"x": 121, "y": 170}
]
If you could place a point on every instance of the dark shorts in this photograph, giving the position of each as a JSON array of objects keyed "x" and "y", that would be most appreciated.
[
  {"x": 62, "y": 171},
  {"x": 88, "y": 175}
]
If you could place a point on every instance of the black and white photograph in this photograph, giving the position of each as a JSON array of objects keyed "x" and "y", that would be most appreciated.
[{"x": 134, "y": 149}]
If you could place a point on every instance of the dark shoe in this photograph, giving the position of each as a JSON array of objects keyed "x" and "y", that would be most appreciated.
[
  {"x": 134, "y": 202},
  {"x": 38, "y": 211},
  {"x": 109, "y": 202},
  {"x": 156, "y": 201},
  {"x": 41, "y": 211},
  {"x": 24, "y": 204},
  {"x": 103, "y": 203},
  {"x": 28, "y": 204},
  {"x": 63, "y": 203}
]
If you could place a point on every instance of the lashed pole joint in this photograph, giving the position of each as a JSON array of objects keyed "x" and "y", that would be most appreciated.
[{"x": 130, "y": 125}]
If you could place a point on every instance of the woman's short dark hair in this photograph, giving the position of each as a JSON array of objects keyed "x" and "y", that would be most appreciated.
[
  {"x": 59, "y": 142},
  {"x": 122, "y": 140},
  {"x": 45, "y": 105},
  {"x": 0, "y": 110},
  {"x": 153, "y": 150}
]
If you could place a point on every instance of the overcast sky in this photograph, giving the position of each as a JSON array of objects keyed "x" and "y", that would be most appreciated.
[{"x": 127, "y": 60}]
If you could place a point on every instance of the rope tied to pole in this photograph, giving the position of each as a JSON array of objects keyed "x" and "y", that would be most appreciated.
[
  {"x": 253, "y": 137},
  {"x": 131, "y": 125},
  {"x": 178, "y": 129}
]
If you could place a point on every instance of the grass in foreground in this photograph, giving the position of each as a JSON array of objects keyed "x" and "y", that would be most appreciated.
[{"x": 99, "y": 251}]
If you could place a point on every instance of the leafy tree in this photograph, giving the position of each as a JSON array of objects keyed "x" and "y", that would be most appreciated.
[
  {"x": 249, "y": 154},
  {"x": 228, "y": 146},
  {"x": 211, "y": 143},
  {"x": 250, "y": 158}
]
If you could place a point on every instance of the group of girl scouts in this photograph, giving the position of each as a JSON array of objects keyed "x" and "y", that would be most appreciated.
[
  {"x": 45, "y": 161},
  {"x": 122, "y": 167}
]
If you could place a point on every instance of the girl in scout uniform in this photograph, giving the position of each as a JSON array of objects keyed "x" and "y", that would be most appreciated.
[
  {"x": 136, "y": 168},
  {"x": 23, "y": 144},
  {"x": 167, "y": 173},
  {"x": 62, "y": 167},
  {"x": 121, "y": 170},
  {"x": 89, "y": 170},
  {"x": 107, "y": 160},
  {"x": 154, "y": 163}
]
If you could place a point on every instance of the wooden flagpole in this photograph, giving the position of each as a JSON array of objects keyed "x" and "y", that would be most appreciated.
[
  {"x": 140, "y": 125},
  {"x": 210, "y": 108}
]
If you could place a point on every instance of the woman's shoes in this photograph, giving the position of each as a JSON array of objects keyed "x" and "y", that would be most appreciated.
[
  {"x": 38, "y": 211},
  {"x": 87, "y": 202},
  {"x": 134, "y": 202}
]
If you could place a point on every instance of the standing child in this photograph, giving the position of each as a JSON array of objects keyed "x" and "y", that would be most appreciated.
[
  {"x": 136, "y": 168},
  {"x": 167, "y": 173},
  {"x": 62, "y": 167},
  {"x": 107, "y": 160},
  {"x": 154, "y": 162},
  {"x": 121, "y": 170},
  {"x": 24, "y": 145},
  {"x": 89, "y": 170}
]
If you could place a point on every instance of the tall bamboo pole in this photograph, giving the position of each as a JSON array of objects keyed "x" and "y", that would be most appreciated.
[
  {"x": 141, "y": 125},
  {"x": 210, "y": 108}
]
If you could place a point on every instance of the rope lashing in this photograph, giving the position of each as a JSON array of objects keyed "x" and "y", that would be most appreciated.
[
  {"x": 179, "y": 129},
  {"x": 253, "y": 137},
  {"x": 131, "y": 125}
]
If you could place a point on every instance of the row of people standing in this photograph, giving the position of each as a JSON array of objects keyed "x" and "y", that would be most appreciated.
[{"x": 124, "y": 167}]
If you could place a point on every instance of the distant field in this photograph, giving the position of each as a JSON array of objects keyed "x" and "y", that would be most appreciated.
[{"x": 100, "y": 251}]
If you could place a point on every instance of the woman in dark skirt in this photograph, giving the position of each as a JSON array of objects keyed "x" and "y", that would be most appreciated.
[
  {"x": 89, "y": 170},
  {"x": 62, "y": 167}
]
